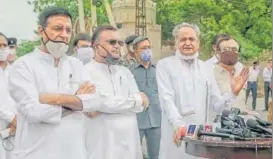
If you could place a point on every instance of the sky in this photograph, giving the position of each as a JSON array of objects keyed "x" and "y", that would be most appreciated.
[{"x": 17, "y": 19}]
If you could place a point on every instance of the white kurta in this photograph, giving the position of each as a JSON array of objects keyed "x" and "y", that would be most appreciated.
[
  {"x": 42, "y": 132},
  {"x": 185, "y": 92},
  {"x": 114, "y": 134},
  {"x": 7, "y": 110}
]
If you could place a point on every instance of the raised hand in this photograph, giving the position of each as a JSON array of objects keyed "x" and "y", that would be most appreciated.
[{"x": 238, "y": 82}]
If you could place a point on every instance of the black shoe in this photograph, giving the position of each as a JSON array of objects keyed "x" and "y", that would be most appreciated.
[{"x": 265, "y": 110}]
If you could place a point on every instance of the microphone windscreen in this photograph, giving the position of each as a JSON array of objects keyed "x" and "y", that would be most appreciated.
[
  {"x": 225, "y": 113},
  {"x": 251, "y": 123}
]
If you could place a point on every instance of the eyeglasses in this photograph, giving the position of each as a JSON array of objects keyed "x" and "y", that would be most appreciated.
[{"x": 114, "y": 42}]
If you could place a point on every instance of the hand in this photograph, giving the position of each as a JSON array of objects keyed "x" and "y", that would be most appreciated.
[
  {"x": 13, "y": 122},
  {"x": 12, "y": 126},
  {"x": 91, "y": 114},
  {"x": 239, "y": 81},
  {"x": 12, "y": 130},
  {"x": 179, "y": 133},
  {"x": 86, "y": 88},
  {"x": 145, "y": 100}
]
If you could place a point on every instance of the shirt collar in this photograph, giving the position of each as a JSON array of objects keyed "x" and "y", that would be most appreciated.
[
  {"x": 137, "y": 64},
  {"x": 47, "y": 56},
  {"x": 222, "y": 69}
]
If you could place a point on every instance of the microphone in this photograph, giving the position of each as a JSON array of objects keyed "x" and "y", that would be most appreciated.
[
  {"x": 238, "y": 120},
  {"x": 194, "y": 131},
  {"x": 222, "y": 135},
  {"x": 255, "y": 125},
  {"x": 242, "y": 132},
  {"x": 227, "y": 121},
  {"x": 263, "y": 122}
]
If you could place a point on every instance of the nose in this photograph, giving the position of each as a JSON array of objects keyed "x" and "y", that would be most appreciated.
[
  {"x": 117, "y": 45},
  {"x": 64, "y": 34},
  {"x": 187, "y": 42}
]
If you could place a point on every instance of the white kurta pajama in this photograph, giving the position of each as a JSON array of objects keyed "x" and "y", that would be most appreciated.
[
  {"x": 7, "y": 111},
  {"x": 42, "y": 132},
  {"x": 185, "y": 91},
  {"x": 114, "y": 134}
]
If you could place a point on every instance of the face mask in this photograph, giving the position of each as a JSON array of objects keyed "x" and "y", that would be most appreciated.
[
  {"x": 4, "y": 53},
  {"x": 85, "y": 54},
  {"x": 56, "y": 48},
  {"x": 110, "y": 59},
  {"x": 146, "y": 55},
  {"x": 12, "y": 51},
  {"x": 229, "y": 58},
  {"x": 188, "y": 57}
]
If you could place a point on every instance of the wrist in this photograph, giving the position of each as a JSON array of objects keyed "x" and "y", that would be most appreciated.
[{"x": 57, "y": 99}]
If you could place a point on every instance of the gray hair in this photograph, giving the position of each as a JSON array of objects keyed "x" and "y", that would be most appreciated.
[{"x": 186, "y": 25}]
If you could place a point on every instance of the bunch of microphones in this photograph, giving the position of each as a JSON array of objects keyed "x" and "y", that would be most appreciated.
[{"x": 235, "y": 125}]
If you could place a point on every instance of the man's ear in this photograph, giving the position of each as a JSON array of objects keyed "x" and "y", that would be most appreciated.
[{"x": 40, "y": 30}]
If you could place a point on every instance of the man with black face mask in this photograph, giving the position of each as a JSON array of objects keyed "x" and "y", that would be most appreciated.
[
  {"x": 116, "y": 133},
  {"x": 227, "y": 50}
]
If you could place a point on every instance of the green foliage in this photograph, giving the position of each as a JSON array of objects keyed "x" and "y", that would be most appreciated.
[
  {"x": 27, "y": 47},
  {"x": 247, "y": 20},
  {"x": 72, "y": 6}
]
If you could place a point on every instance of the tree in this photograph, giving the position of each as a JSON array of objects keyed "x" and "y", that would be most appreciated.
[
  {"x": 27, "y": 46},
  {"x": 71, "y": 5},
  {"x": 247, "y": 20}
]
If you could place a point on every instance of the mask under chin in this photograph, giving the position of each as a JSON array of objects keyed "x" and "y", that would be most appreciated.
[{"x": 111, "y": 60}]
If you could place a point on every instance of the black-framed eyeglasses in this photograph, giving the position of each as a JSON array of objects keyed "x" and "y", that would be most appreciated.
[{"x": 114, "y": 42}]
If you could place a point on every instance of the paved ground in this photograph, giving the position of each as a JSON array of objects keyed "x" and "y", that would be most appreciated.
[{"x": 259, "y": 108}]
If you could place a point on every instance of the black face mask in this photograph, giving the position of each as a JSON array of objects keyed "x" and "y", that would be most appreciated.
[{"x": 229, "y": 58}]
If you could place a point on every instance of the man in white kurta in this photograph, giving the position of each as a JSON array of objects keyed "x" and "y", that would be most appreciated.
[
  {"x": 113, "y": 134},
  {"x": 186, "y": 90},
  {"x": 44, "y": 84},
  {"x": 7, "y": 106}
]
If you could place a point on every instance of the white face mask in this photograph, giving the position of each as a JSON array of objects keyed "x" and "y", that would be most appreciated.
[
  {"x": 12, "y": 51},
  {"x": 56, "y": 49},
  {"x": 85, "y": 54},
  {"x": 4, "y": 53},
  {"x": 188, "y": 57}
]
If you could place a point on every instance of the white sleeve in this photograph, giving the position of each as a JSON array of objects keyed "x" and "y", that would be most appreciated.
[
  {"x": 217, "y": 100},
  {"x": 25, "y": 94},
  {"x": 6, "y": 115},
  {"x": 167, "y": 96},
  {"x": 106, "y": 103}
]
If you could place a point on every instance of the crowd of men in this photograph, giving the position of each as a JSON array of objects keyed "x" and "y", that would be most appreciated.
[{"x": 96, "y": 104}]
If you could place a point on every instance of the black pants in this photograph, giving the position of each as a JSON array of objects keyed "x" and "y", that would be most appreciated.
[{"x": 267, "y": 90}]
